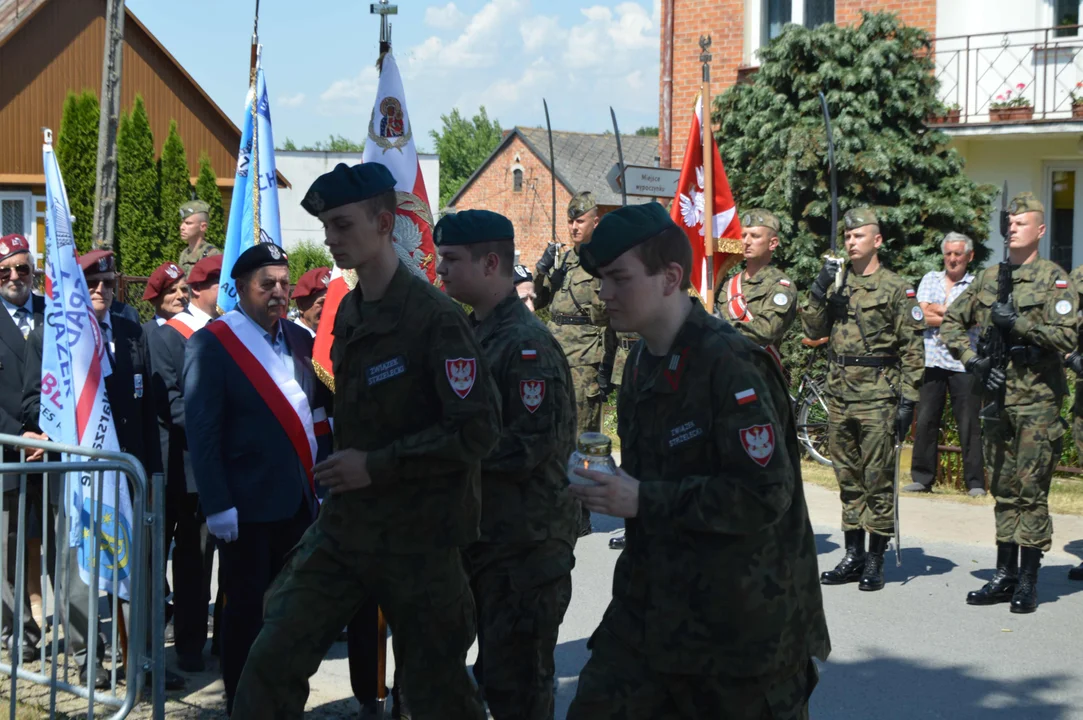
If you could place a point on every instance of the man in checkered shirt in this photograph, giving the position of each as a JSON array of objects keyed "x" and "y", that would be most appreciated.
[{"x": 945, "y": 375}]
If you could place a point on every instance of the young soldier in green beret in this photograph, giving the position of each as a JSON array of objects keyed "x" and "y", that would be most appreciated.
[
  {"x": 716, "y": 612},
  {"x": 415, "y": 412},
  {"x": 1023, "y": 439},
  {"x": 760, "y": 300},
  {"x": 193, "y": 230},
  {"x": 521, "y": 568},
  {"x": 876, "y": 360}
]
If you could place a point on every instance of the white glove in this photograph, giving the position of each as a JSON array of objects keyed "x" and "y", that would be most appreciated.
[{"x": 223, "y": 525}]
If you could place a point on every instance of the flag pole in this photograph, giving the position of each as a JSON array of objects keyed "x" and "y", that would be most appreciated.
[
  {"x": 252, "y": 75},
  {"x": 707, "y": 140}
]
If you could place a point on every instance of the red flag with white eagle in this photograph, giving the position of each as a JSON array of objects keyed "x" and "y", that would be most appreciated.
[
  {"x": 687, "y": 209},
  {"x": 390, "y": 142}
]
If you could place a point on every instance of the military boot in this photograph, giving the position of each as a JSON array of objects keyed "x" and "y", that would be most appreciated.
[
  {"x": 853, "y": 562},
  {"x": 873, "y": 576},
  {"x": 1025, "y": 599},
  {"x": 1001, "y": 587},
  {"x": 1076, "y": 573}
]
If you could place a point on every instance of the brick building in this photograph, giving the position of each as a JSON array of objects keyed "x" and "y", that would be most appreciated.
[
  {"x": 738, "y": 28},
  {"x": 980, "y": 49},
  {"x": 515, "y": 181}
]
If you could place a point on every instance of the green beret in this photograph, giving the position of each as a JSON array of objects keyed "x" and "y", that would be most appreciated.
[
  {"x": 258, "y": 256},
  {"x": 193, "y": 207},
  {"x": 581, "y": 204},
  {"x": 1025, "y": 202},
  {"x": 345, "y": 185},
  {"x": 758, "y": 217},
  {"x": 859, "y": 217},
  {"x": 468, "y": 227},
  {"x": 620, "y": 231}
]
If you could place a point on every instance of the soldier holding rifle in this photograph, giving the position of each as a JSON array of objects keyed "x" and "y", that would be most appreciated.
[{"x": 1029, "y": 309}]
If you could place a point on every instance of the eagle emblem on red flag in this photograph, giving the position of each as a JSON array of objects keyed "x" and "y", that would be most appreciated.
[
  {"x": 532, "y": 392},
  {"x": 759, "y": 442},
  {"x": 460, "y": 375}
]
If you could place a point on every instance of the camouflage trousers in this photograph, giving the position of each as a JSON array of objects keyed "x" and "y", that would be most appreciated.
[
  {"x": 618, "y": 683},
  {"x": 1077, "y": 434},
  {"x": 861, "y": 440},
  {"x": 522, "y": 592},
  {"x": 588, "y": 399},
  {"x": 1021, "y": 450},
  {"x": 425, "y": 597}
]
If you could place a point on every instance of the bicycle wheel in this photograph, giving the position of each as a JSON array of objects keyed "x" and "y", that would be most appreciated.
[{"x": 812, "y": 423}]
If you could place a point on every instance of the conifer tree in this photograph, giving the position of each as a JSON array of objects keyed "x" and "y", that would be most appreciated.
[
  {"x": 207, "y": 191},
  {"x": 77, "y": 153},
  {"x": 138, "y": 233},
  {"x": 174, "y": 190}
]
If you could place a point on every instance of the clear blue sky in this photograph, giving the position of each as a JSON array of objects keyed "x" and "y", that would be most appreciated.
[{"x": 319, "y": 60}]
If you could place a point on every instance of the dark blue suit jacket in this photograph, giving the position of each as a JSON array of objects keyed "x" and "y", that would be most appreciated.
[{"x": 241, "y": 457}]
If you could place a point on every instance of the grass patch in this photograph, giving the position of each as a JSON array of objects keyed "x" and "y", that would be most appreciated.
[{"x": 1065, "y": 493}]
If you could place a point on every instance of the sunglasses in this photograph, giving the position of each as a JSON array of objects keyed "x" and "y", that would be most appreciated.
[
  {"x": 106, "y": 284},
  {"x": 22, "y": 269}
]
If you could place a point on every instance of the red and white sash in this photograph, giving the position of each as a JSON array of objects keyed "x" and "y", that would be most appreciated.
[
  {"x": 186, "y": 324},
  {"x": 735, "y": 300},
  {"x": 274, "y": 383}
]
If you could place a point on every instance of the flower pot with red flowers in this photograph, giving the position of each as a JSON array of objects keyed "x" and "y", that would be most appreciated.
[
  {"x": 948, "y": 116},
  {"x": 1077, "y": 100},
  {"x": 1011, "y": 106}
]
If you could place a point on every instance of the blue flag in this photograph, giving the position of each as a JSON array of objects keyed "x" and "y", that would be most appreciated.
[
  {"x": 75, "y": 407},
  {"x": 255, "y": 186}
]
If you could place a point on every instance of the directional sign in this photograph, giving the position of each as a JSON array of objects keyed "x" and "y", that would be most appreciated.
[{"x": 645, "y": 181}]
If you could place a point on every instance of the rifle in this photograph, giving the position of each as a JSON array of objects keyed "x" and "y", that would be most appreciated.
[
  {"x": 994, "y": 342},
  {"x": 840, "y": 278}
]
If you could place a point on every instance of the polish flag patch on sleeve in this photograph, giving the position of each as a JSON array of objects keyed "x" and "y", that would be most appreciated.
[
  {"x": 529, "y": 355},
  {"x": 784, "y": 282},
  {"x": 745, "y": 396},
  {"x": 1061, "y": 284},
  {"x": 910, "y": 292}
]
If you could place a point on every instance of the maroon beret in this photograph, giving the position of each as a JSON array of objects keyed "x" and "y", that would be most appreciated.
[
  {"x": 206, "y": 269},
  {"x": 97, "y": 261},
  {"x": 162, "y": 278},
  {"x": 13, "y": 245},
  {"x": 312, "y": 282}
]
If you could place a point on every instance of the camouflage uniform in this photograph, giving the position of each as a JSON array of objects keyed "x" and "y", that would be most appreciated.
[
  {"x": 189, "y": 257},
  {"x": 876, "y": 357},
  {"x": 580, "y": 323},
  {"x": 1022, "y": 446},
  {"x": 716, "y": 609},
  {"x": 405, "y": 399},
  {"x": 769, "y": 307},
  {"x": 520, "y": 569},
  {"x": 1076, "y": 278}
]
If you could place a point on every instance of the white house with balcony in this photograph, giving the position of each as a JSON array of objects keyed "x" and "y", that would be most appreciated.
[{"x": 1012, "y": 73}]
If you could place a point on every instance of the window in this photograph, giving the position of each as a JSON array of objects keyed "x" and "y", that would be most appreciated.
[
  {"x": 13, "y": 216},
  {"x": 517, "y": 180},
  {"x": 818, "y": 12},
  {"x": 1066, "y": 12},
  {"x": 776, "y": 13}
]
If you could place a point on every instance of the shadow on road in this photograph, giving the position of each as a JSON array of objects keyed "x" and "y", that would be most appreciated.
[
  {"x": 824, "y": 545},
  {"x": 915, "y": 563},
  {"x": 889, "y": 688},
  {"x": 606, "y": 523}
]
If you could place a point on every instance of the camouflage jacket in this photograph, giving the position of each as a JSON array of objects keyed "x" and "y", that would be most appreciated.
[
  {"x": 188, "y": 257},
  {"x": 591, "y": 343},
  {"x": 719, "y": 576},
  {"x": 882, "y": 319},
  {"x": 1047, "y": 306},
  {"x": 413, "y": 390},
  {"x": 771, "y": 301},
  {"x": 523, "y": 480}
]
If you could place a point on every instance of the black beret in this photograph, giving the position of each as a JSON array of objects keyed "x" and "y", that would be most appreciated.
[
  {"x": 621, "y": 230},
  {"x": 468, "y": 227},
  {"x": 258, "y": 256},
  {"x": 521, "y": 274},
  {"x": 345, "y": 185}
]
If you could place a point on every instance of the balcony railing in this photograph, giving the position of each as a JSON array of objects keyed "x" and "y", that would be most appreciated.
[{"x": 1042, "y": 66}]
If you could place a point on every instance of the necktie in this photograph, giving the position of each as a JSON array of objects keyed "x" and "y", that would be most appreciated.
[
  {"x": 106, "y": 341},
  {"x": 22, "y": 320}
]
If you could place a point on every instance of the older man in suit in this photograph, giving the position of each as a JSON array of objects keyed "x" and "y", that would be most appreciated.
[
  {"x": 23, "y": 311},
  {"x": 128, "y": 389},
  {"x": 255, "y": 417}
]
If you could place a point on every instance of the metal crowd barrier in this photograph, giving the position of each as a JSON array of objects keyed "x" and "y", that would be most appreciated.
[{"x": 147, "y": 526}]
